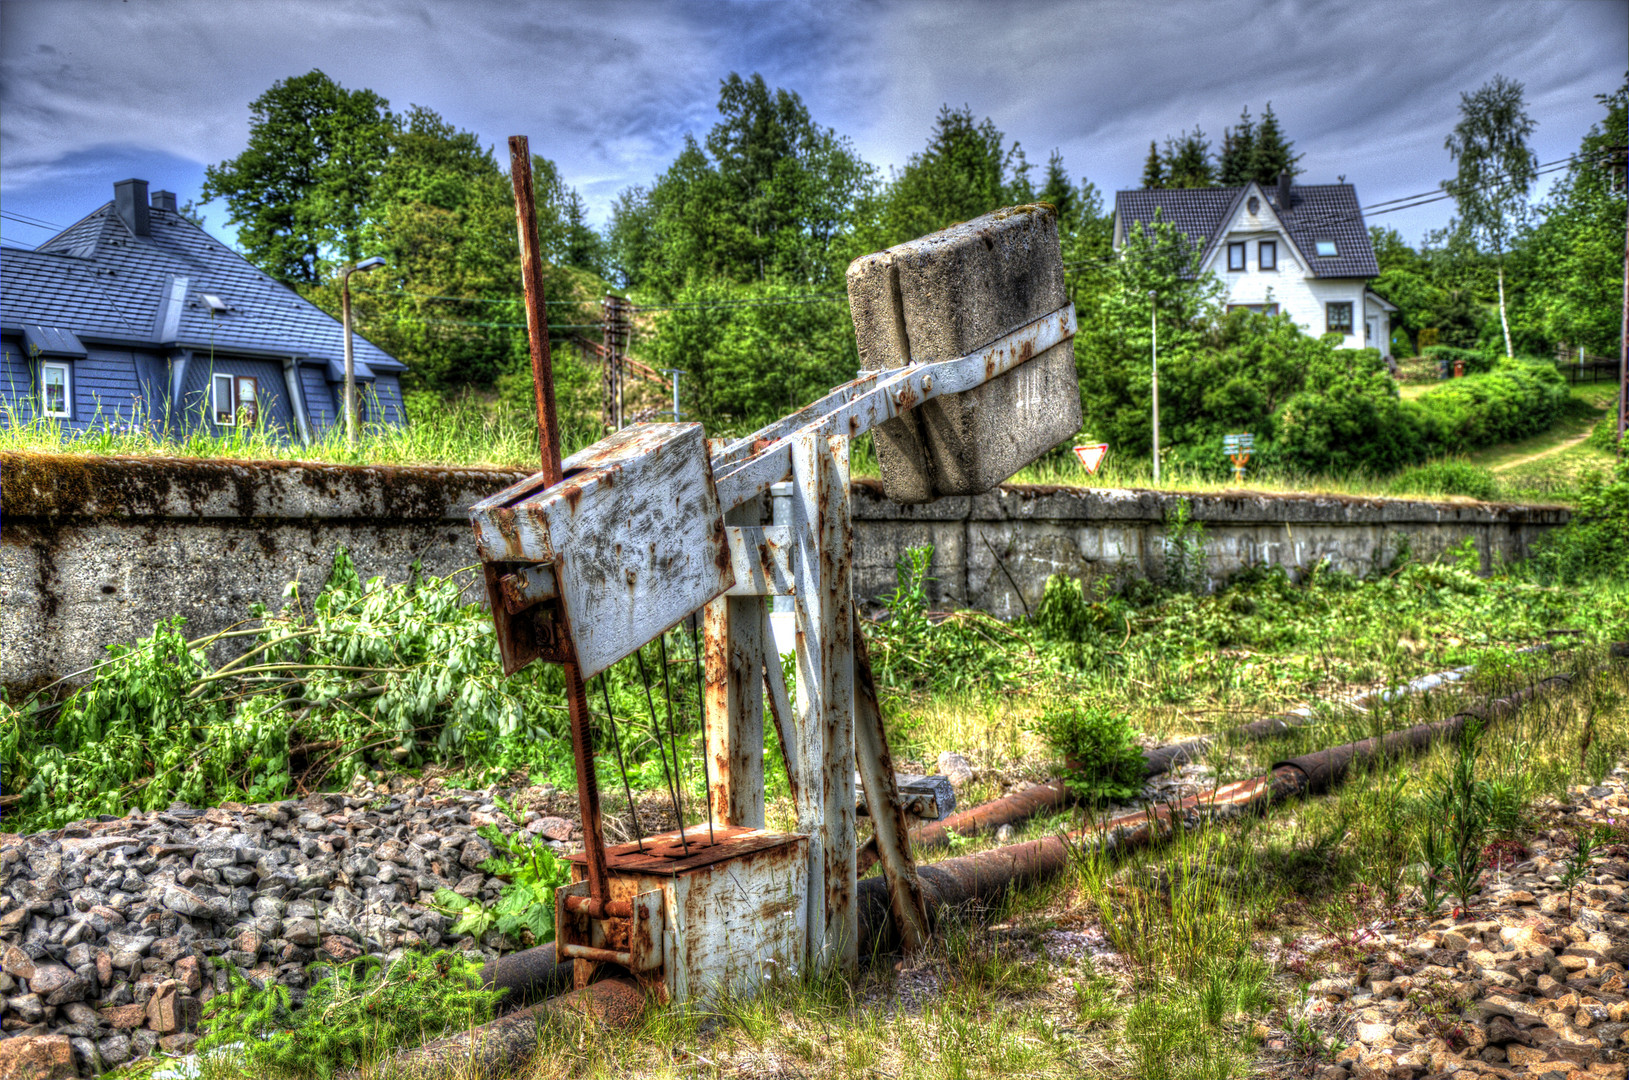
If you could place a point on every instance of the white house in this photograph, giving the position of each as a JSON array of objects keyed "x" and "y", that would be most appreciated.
[{"x": 1299, "y": 249}]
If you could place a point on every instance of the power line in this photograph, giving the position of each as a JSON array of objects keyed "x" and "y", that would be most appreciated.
[
  {"x": 24, "y": 219},
  {"x": 404, "y": 294}
]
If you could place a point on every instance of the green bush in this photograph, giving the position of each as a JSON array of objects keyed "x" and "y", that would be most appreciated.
[
  {"x": 358, "y": 1014},
  {"x": 1511, "y": 402},
  {"x": 1447, "y": 478},
  {"x": 1604, "y": 436},
  {"x": 1347, "y": 418},
  {"x": 1595, "y": 542},
  {"x": 1099, "y": 746}
]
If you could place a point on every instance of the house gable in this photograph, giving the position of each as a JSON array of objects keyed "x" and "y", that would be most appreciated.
[{"x": 1251, "y": 218}]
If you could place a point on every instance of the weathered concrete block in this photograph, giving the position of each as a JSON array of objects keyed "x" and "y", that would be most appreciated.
[{"x": 949, "y": 294}]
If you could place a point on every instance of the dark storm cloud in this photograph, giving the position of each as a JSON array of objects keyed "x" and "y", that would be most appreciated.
[{"x": 609, "y": 90}]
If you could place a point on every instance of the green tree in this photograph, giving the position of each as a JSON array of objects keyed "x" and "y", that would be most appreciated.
[
  {"x": 747, "y": 364},
  {"x": 1153, "y": 167},
  {"x": 1271, "y": 152},
  {"x": 299, "y": 191},
  {"x": 766, "y": 199},
  {"x": 1578, "y": 242},
  {"x": 1238, "y": 161},
  {"x": 1113, "y": 348},
  {"x": 1188, "y": 162},
  {"x": 966, "y": 170},
  {"x": 1496, "y": 169}
]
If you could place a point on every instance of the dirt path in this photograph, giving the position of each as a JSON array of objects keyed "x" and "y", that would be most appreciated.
[{"x": 1556, "y": 449}]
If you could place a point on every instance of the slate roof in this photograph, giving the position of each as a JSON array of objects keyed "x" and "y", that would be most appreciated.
[
  {"x": 98, "y": 279},
  {"x": 1316, "y": 212}
]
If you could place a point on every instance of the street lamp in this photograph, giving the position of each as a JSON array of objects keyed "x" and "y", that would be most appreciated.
[
  {"x": 350, "y": 362},
  {"x": 1154, "y": 317}
]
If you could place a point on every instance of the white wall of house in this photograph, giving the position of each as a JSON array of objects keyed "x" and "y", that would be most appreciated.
[
  {"x": 1377, "y": 324},
  {"x": 1291, "y": 286}
]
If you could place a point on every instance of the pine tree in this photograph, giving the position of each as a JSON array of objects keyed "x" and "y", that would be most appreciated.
[
  {"x": 1272, "y": 151},
  {"x": 1058, "y": 191},
  {"x": 1238, "y": 149},
  {"x": 1153, "y": 168},
  {"x": 1188, "y": 162}
]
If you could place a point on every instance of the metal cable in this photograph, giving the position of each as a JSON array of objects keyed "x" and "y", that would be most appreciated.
[
  {"x": 616, "y": 741},
  {"x": 661, "y": 751},
  {"x": 673, "y": 735}
]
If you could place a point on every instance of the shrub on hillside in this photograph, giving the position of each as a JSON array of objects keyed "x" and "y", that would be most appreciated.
[
  {"x": 1447, "y": 478},
  {"x": 1347, "y": 417},
  {"x": 1604, "y": 436},
  {"x": 1511, "y": 402},
  {"x": 1592, "y": 544}
]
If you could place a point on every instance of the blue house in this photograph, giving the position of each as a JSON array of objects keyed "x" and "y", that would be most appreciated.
[{"x": 136, "y": 317}]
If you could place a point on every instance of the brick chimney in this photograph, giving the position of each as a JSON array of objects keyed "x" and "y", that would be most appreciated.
[
  {"x": 164, "y": 200},
  {"x": 130, "y": 203}
]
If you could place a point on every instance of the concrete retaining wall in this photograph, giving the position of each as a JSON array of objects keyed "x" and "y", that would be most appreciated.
[{"x": 95, "y": 550}]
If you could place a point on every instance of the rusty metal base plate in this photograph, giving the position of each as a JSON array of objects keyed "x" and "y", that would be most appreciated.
[{"x": 673, "y": 853}]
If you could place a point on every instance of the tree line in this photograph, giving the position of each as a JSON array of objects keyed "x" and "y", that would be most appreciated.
[{"x": 736, "y": 252}]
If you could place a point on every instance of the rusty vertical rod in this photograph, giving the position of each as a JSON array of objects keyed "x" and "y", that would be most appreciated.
[
  {"x": 548, "y": 436},
  {"x": 882, "y": 796}
]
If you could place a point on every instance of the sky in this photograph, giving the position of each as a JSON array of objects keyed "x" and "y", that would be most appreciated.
[{"x": 93, "y": 91}]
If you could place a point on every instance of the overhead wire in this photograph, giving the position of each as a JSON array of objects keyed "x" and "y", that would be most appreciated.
[{"x": 26, "y": 219}]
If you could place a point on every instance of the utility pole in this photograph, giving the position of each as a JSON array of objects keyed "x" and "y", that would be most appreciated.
[
  {"x": 614, "y": 311},
  {"x": 1154, "y": 317},
  {"x": 1623, "y": 330}
]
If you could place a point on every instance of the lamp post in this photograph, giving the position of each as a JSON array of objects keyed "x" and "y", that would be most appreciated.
[
  {"x": 1154, "y": 324},
  {"x": 350, "y": 362}
]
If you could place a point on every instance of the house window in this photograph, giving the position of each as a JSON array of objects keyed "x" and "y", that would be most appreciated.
[
  {"x": 55, "y": 391},
  {"x": 236, "y": 396},
  {"x": 1268, "y": 255},
  {"x": 1259, "y": 309},
  {"x": 1254, "y": 204},
  {"x": 1235, "y": 256},
  {"x": 1340, "y": 316},
  {"x": 1326, "y": 248}
]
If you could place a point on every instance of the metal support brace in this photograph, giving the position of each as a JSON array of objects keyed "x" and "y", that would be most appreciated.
[
  {"x": 824, "y": 723},
  {"x": 734, "y": 626}
]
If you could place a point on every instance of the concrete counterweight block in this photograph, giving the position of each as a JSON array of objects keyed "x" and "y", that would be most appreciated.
[{"x": 944, "y": 296}]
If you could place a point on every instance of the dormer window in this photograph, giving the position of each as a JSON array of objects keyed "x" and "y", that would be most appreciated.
[
  {"x": 1267, "y": 255},
  {"x": 1326, "y": 248},
  {"x": 1235, "y": 256}
]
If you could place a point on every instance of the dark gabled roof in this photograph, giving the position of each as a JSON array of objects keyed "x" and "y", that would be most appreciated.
[
  {"x": 98, "y": 279},
  {"x": 1316, "y": 212}
]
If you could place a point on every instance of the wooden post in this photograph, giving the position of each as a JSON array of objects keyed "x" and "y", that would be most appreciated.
[{"x": 734, "y": 629}]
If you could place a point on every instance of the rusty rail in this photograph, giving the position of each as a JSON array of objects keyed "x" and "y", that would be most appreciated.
[
  {"x": 1052, "y": 795},
  {"x": 501, "y": 1046},
  {"x": 968, "y": 879}
]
